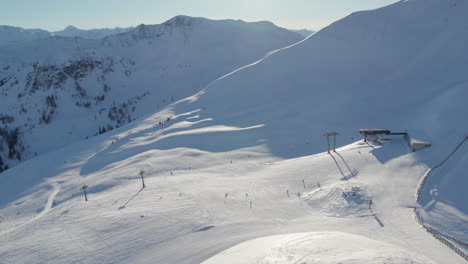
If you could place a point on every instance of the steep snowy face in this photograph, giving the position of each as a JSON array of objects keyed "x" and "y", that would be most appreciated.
[
  {"x": 9, "y": 34},
  {"x": 401, "y": 67},
  {"x": 58, "y": 90}
]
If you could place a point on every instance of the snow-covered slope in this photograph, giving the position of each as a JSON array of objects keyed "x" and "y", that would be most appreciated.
[
  {"x": 243, "y": 158},
  {"x": 319, "y": 247},
  {"x": 97, "y": 33},
  {"x": 59, "y": 90},
  {"x": 14, "y": 35},
  {"x": 198, "y": 203},
  {"x": 400, "y": 67},
  {"x": 443, "y": 198}
]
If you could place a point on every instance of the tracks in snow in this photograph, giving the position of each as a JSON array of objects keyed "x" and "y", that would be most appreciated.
[
  {"x": 258, "y": 61},
  {"x": 50, "y": 201},
  {"x": 47, "y": 208}
]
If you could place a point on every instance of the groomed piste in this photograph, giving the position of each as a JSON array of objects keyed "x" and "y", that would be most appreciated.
[{"x": 239, "y": 172}]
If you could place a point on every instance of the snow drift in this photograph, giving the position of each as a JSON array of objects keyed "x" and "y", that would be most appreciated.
[{"x": 318, "y": 247}]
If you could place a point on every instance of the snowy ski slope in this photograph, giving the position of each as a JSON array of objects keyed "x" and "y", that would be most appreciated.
[
  {"x": 239, "y": 173},
  {"x": 197, "y": 203}
]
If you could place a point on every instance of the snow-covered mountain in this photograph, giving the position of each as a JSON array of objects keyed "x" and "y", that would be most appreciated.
[
  {"x": 13, "y": 35},
  {"x": 303, "y": 32},
  {"x": 239, "y": 173},
  {"x": 389, "y": 73},
  {"x": 98, "y": 33},
  {"x": 401, "y": 67},
  {"x": 58, "y": 90}
]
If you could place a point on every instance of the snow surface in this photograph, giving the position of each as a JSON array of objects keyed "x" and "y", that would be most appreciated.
[
  {"x": 319, "y": 247},
  {"x": 398, "y": 67},
  {"x": 244, "y": 158},
  {"x": 198, "y": 203},
  {"x": 443, "y": 208}
]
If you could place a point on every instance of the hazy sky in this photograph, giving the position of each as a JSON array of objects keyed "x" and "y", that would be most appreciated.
[{"x": 57, "y": 14}]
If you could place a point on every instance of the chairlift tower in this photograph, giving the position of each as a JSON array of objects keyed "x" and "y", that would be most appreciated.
[
  {"x": 84, "y": 191},
  {"x": 142, "y": 172},
  {"x": 328, "y": 135}
]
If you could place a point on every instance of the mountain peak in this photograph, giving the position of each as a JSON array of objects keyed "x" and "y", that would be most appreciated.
[
  {"x": 70, "y": 28},
  {"x": 181, "y": 20}
]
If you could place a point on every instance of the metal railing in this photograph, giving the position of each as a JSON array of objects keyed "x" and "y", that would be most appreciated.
[
  {"x": 435, "y": 233},
  {"x": 439, "y": 237}
]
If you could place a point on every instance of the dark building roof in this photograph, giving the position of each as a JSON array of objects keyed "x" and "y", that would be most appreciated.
[{"x": 374, "y": 131}]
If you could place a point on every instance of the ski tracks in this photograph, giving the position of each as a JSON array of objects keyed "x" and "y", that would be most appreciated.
[
  {"x": 258, "y": 61},
  {"x": 47, "y": 208},
  {"x": 49, "y": 204}
]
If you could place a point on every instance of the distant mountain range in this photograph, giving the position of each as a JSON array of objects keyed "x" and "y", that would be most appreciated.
[
  {"x": 72, "y": 31},
  {"x": 11, "y": 34},
  {"x": 304, "y": 32},
  {"x": 59, "y": 89}
]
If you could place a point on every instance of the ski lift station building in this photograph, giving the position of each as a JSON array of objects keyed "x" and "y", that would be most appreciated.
[{"x": 413, "y": 144}]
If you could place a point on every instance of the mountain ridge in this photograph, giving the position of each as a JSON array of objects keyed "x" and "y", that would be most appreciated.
[{"x": 54, "y": 79}]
